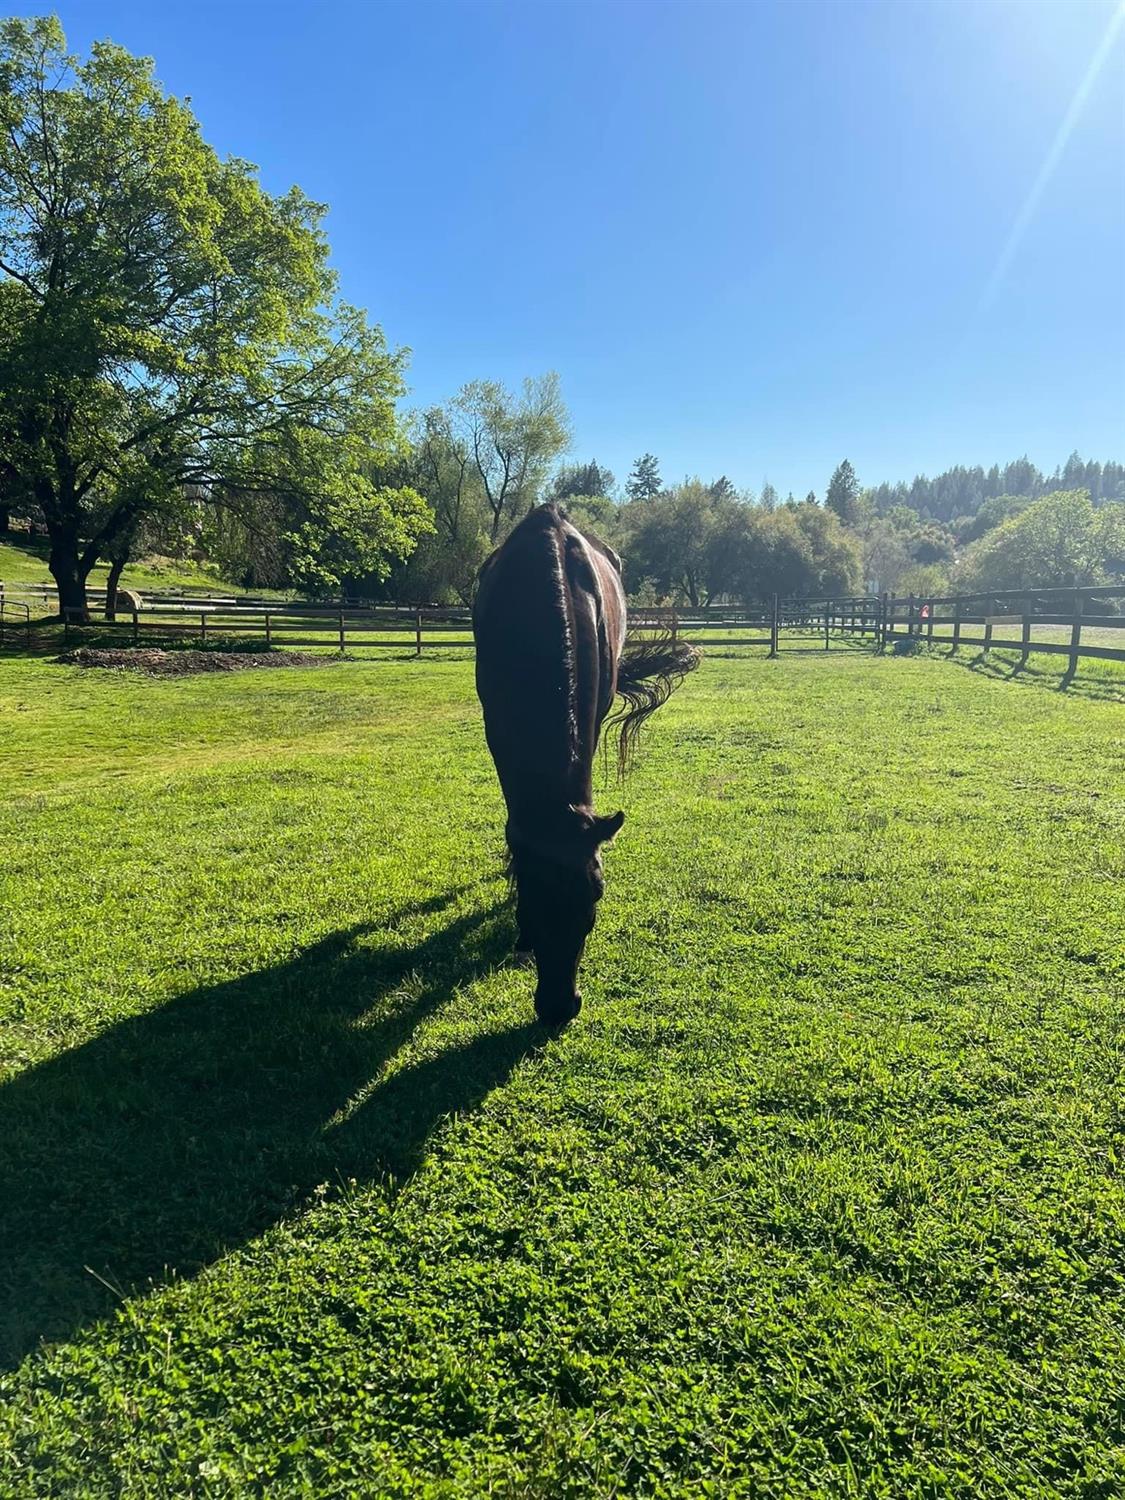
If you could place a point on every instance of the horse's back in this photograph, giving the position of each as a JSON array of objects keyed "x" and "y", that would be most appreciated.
[{"x": 549, "y": 622}]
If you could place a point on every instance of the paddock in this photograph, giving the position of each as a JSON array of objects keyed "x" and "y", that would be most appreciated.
[{"x": 824, "y": 1181}]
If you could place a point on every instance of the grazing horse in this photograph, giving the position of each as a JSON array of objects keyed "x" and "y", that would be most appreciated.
[{"x": 549, "y": 624}]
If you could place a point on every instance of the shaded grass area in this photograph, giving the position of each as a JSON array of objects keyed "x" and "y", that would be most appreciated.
[
  {"x": 1094, "y": 678},
  {"x": 821, "y": 1194}
]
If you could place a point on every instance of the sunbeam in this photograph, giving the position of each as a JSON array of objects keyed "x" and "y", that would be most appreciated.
[{"x": 1051, "y": 160}]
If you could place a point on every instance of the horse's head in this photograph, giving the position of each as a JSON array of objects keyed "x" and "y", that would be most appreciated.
[{"x": 559, "y": 883}]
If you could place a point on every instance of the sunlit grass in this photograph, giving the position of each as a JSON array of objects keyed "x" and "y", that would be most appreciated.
[
  {"x": 821, "y": 1195},
  {"x": 24, "y": 561}
]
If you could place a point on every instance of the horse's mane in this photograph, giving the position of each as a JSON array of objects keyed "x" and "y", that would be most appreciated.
[{"x": 650, "y": 670}]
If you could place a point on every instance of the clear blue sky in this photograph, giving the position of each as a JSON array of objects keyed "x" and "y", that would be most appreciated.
[{"x": 751, "y": 238}]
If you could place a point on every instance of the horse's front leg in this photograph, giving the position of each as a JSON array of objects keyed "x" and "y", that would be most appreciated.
[{"x": 524, "y": 953}]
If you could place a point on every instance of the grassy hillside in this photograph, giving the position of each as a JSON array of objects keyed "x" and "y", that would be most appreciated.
[
  {"x": 26, "y": 562},
  {"x": 821, "y": 1195}
]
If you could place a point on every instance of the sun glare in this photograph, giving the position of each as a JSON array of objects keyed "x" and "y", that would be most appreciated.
[{"x": 1051, "y": 160}]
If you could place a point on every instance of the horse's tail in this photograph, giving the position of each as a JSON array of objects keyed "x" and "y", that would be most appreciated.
[{"x": 650, "y": 670}]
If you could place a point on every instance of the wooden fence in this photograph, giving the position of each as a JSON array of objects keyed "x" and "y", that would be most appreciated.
[
  {"x": 343, "y": 628},
  {"x": 1017, "y": 620},
  {"x": 1025, "y": 620},
  {"x": 15, "y": 621}
]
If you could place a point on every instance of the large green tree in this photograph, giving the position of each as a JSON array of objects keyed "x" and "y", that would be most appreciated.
[
  {"x": 692, "y": 545},
  {"x": 1059, "y": 541},
  {"x": 164, "y": 322},
  {"x": 671, "y": 542},
  {"x": 582, "y": 480},
  {"x": 512, "y": 441},
  {"x": 480, "y": 461}
]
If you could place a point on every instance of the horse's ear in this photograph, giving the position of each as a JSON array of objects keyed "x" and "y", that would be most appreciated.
[{"x": 605, "y": 828}]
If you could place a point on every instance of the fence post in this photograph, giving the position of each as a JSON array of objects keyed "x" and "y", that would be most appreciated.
[
  {"x": 268, "y": 637},
  {"x": 1025, "y": 641},
  {"x": 202, "y": 624},
  {"x": 1075, "y": 640},
  {"x": 827, "y": 620},
  {"x": 675, "y": 623},
  {"x": 888, "y": 619},
  {"x": 988, "y": 613},
  {"x": 911, "y": 606},
  {"x": 930, "y": 622},
  {"x": 773, "y": 629},
  {"x": 956, "y": 625},
  {"x": 418, "y": 634},
  {"x": 341, "y": 630},
  {"x": 136, "y": 627}
]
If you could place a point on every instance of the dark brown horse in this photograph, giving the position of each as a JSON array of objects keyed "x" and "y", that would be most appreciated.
[{"x": 549, "y": 622}]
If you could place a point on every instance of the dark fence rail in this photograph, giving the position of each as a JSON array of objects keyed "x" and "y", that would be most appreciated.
[
  {"x": 15, "y": 621},
  {"x": 1075, "y": 623},
  {"x": 389, "y": 627},
  {"x": 1013, "y": 620},
  {"x": 287, "y": 625}
]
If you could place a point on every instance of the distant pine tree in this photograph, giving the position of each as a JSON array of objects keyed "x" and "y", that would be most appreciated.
[
  {"x": 644, "y": 481},
  {"x": 843, "y": 494}
]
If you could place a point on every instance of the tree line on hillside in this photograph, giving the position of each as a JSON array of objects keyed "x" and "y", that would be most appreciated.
[
  {"x": 960, "y": 493},
  {"x": 699, "y": 542},
  {"x": 179, "y": 375}
]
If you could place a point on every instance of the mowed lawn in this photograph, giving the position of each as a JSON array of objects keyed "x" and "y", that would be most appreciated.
[{"x": 823, "y": 1193}]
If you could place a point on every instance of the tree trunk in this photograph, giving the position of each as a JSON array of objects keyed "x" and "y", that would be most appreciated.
[
  {"x": 5, "y": 519},
  {"x": 70, "y": 578},
  {"x": 116, "y": 568}
]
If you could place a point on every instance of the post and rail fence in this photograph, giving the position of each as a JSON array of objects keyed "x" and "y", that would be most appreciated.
[
  {"x": 1091, "y": 622},
  {"x": 1076, "y": 623}
]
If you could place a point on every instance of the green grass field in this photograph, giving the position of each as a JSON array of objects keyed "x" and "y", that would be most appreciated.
[
  {"x": 821, "y": 1195},
  {"x": 23, "y": 561}
]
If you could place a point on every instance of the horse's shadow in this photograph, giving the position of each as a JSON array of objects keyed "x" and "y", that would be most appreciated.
[{"x": 177, "y": 1135}]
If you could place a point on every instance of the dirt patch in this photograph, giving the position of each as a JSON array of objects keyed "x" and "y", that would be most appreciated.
[{"x": 155, "y": 663}]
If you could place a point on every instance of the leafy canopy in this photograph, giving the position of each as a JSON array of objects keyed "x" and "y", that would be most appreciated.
[
  {"x": 165, "y": 322},
  {"x": 697, "y": 545},
  {"x": 1058, "y": 541}
]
